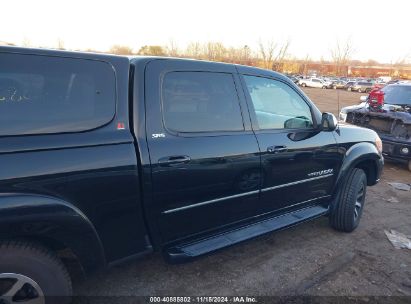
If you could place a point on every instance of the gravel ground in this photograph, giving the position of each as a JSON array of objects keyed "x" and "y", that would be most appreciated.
[{"x": 310, "y": 259}]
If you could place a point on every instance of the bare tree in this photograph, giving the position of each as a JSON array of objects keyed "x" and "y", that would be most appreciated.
[
  {"x": 266, "y": 51},
  {"x": 273, "y": 54},
  {"x": 397, "y": 65},
  {"x": 341, "y": 55},
  {"x": 215, "y": 51},
  {"x": 26, "y": 42},
  {"x": 121, "y": 50},
  {"x": 60, "y": 44},
  {"x": 246, "y": 54},
  {"x": 172, "y": 49},
  {"x": 193, "y": 50},
  {"x": 280, "y": 56},
  {"x": 304, "y": 66},
  {"x": 155, "y": 50}
]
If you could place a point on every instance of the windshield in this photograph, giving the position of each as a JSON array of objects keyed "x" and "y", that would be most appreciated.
[{"x": 398, "y": 95}]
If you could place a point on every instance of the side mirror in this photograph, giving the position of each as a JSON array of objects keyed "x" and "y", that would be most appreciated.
[
  {"x": 329, "y": 122},
  {"x": 363, "y": 98}
]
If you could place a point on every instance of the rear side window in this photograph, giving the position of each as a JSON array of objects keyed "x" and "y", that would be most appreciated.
[
  {"x": 200, "y": 102},
  {"x": 41, "y": 94}
]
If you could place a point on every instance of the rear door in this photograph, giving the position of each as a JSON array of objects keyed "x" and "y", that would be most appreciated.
[
  {"x": 204, "y": 156},
  {"x": 298, "y": 161}
]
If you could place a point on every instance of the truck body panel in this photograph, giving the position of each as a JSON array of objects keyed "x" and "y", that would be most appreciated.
[{"x": 183, "y": 166}]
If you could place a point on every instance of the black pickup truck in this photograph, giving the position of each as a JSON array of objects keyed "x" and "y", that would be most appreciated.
[{"x": 106, "y": 158}]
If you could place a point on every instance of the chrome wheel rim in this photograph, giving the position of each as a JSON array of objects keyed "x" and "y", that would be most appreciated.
[
  {"x": 18, "y": 288},
  {"x": 359, "y": 202}
]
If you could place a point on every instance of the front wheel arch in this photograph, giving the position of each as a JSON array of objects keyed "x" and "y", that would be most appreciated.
[{"x": 363, "y": 156}]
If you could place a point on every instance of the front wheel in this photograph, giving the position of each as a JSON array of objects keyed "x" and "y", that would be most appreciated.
[
  {"x": 349, "y": 89},
  {"x": 350, "y": 202},
  {"x": 303, "y": 85},
  {"x": 32, "y": 274},
  {"x": 359, "y": 91},
  {"x": 324, "y": 87}
]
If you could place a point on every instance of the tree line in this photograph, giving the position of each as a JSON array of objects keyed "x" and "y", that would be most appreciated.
[{"x": 268, "y": 54}]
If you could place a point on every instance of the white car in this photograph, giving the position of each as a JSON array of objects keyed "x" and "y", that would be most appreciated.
[{"x": 314, "y": 83}]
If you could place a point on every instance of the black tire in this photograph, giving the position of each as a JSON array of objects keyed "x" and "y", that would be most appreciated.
[
  {"x": 409, "y": 165},
  {"x": 349, "y": 89},
  {"x": 39, "y": 269},
  {"x": 303, "y": 85},
  {"x": 350, "y": 202},
  {"x": 359, "y": 90}
]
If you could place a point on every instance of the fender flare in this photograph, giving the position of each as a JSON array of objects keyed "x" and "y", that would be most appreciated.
[
  {"x": 355, "y": 155},
  {"x": 39, "y": 217}
]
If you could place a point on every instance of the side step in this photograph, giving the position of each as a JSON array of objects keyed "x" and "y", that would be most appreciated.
[{"x": 185, "y": 252}]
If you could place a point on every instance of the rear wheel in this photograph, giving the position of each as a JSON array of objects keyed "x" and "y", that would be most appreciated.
[
  {"x": 350, "y": 203},
  {"x": 409, "y": 165},
  {"x": 303, "y": 85},
  {"x": 32, "y": 274},
  {"x": 359, "y": 91},
  {"x": 324, "y": 87},
  {"x": 349, "y": 89}
]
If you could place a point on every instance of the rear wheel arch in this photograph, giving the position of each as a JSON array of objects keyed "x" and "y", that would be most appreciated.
[{"x": 53, "y": 224}]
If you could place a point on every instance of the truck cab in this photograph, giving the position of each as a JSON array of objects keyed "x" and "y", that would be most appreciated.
[{"x": 110, "y": 158}]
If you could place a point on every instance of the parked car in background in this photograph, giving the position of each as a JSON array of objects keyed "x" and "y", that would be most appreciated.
[
  {"x": 378, "y": 85},
  {"x": 384, "y": 78},
  {"x": 388, "y": 112},
  {"x": 394, "y": 81},
  {"x": 339, "y": 84},
  {"x": 361, "y": 86},
  {"x": 314, "y": 83},
  {"x": 348, "y": 85},
  {"x": 293, "y": 78}
]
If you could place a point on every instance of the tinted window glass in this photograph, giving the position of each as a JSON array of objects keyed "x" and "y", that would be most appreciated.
[
  {"x": 397, "y": 94},
  {"x": 277, "y": 106},
  {"x": 201, "y": 102},
  {"x": 40, "y": 94}
]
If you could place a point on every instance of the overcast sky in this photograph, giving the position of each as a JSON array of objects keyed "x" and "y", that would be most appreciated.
[{"x": 378, "y": 29}]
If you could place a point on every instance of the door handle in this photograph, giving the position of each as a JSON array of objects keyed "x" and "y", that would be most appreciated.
[
  {"x": 276, "y": 149},
  {"x": 172, "y": 160}
]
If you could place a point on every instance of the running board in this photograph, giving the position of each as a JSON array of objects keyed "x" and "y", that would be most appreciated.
[{"x": 185, "y": 252}]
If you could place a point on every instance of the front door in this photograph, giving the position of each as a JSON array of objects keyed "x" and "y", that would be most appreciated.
[
  {"x": 204, "y": 156},
  {"x": 299, "y": 162}
]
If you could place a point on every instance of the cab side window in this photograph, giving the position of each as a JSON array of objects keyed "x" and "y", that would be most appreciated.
[
  {"x": 276, "y": 105},
  {"x": 200, "y": 102}
]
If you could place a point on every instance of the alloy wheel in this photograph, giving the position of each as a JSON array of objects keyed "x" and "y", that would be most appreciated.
[
  {"x": 18, "y": 288},
  {"x": 359, "y": 202}
]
